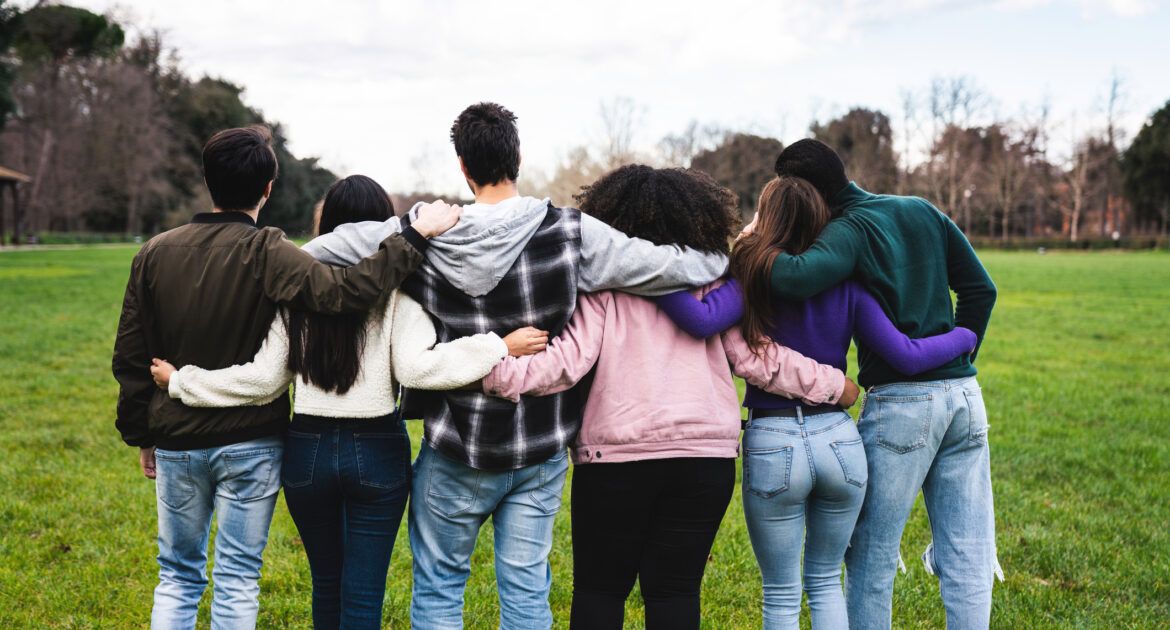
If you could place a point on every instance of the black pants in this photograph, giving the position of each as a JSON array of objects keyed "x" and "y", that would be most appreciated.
[{"x": 654, "y": 521}]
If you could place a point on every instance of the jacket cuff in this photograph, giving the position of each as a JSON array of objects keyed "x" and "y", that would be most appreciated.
[
  {"x": 414, "y": 238},
  {"x": 493, "y": 387}
]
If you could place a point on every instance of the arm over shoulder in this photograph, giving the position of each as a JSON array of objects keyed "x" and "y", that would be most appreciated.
[
  {"x": 613, "y": 260},
  {"x": 417, "y": 362},
  {"x": 831, "y": 260}
]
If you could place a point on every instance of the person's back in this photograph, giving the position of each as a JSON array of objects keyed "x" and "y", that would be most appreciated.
[
  {"x": 923, "y": 432},
  {"x": 205, "y": 293},
  {"x": 909, "y": 277}
]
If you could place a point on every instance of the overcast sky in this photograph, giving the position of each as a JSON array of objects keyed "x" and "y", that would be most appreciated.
[{"x": 372, "y": 86}]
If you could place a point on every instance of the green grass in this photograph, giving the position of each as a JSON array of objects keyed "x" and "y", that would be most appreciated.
[{"x": 1074, "y": 372}]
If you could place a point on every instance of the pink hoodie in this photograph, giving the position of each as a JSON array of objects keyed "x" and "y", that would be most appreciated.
[{"x": 657, "y": 392}]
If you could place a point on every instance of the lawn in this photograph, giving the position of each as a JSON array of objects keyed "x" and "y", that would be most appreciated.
[{"x": 1074, "y": 371}]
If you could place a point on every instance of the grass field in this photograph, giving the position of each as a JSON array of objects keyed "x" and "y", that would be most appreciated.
[{"x": 1075, "y": 371}]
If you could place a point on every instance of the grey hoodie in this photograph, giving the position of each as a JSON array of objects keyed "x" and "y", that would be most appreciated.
[{"x": 477, "y": 253}]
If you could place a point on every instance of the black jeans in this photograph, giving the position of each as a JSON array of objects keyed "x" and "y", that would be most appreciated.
[
  {"x": 653, "y": 520},
  {"x": 346, "y": 483}
]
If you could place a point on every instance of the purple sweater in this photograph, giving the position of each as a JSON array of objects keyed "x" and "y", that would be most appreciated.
[{"x": 819, "y": 328}]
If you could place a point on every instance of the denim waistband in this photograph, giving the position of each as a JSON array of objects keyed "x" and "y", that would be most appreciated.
[
  {"x": 793, "y": 425},
  {"x": 317, "y": 424}
]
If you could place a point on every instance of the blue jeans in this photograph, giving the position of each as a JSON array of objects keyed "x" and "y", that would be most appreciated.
[
  {"x": 804, "y": 479},
  {"x": 450, "y": 502},
  {"x": 930, "y": 436},
  {"x": 346, "y": 483},
  {"x": 239, "y": 482}
]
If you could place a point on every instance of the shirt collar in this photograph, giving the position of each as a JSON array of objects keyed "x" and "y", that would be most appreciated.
[{"x": 223, "y": 217}]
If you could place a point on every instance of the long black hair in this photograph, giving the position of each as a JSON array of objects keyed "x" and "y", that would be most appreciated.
[{"x": 326, "y": 350}]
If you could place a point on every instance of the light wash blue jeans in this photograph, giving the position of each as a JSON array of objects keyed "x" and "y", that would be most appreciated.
[
  {"x": 803, "y": 482},
  {"x": 239, "y": 483},
  {"x": 930, "y": 436},
  {"x": 449, "y": 503}
]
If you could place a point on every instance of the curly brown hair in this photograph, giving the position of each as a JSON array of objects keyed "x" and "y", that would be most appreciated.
[{"x": 666, "y": 206}]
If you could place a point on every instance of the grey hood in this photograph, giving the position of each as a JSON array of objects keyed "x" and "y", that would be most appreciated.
[{"x": 480, "y": 250}]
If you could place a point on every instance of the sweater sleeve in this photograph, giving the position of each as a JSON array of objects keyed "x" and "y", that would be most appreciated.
[
  {"x": 612, "y": 260},
  {"x": 418, "y": 363},
  {"x": 566, "y": 361},
  {"x": 783, "y": 371},
  {"x": 292, "y": 277},
  {"x": 971, "y": 283},
  {"x": 262, "y": 380},
  {"x": 830, "y": 261},
  {"x": 874, "y": 330},
  {"x": 717, "y": 311}
]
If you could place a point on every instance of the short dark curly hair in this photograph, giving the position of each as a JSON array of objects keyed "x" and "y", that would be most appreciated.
[
  {"x": 486, "y": 139},
  {"x": 667, "y": 206}
]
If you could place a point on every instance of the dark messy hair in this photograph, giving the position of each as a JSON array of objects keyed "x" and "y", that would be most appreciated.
[
  {"x": 486, "y": 139},
  {"x": 667, "y": 206},
  {"x": 789, "y": 217},
  {"x": 237, "y": 166},
  {"x": 326, "y": 350}
]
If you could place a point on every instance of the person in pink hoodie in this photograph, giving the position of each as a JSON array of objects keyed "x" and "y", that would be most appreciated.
[{"x": 655, "y": 455}]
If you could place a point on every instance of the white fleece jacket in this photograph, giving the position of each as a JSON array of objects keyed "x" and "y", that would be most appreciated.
[{"x": 400, "y": 345}]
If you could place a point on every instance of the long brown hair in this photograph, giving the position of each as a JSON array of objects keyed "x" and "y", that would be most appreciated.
[{"x": 789, "y": 217}]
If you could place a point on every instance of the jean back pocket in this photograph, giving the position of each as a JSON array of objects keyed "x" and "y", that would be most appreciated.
[
  {"x": 252, "y": 474},
  {"x": 383, "y": 459},
  {"x": 851, "y": 455},
  {"x": 174, "y": 484},
  {"x": 300, "y": 458},
  {"x": 767, "y": 471},
  {"x": 903, "y": 422}
]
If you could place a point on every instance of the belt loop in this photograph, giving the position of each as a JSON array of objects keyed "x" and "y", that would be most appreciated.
[
  {"x": 800, "y": 415},
  {"x": 751, "y": 414}
]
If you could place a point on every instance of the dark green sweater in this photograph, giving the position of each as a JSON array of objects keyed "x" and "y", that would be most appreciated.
[{"x": 909, "y": 255}]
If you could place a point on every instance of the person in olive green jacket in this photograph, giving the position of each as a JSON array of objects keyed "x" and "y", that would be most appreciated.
[
  {"x": 926, "y": 431},
  {"x": 205, "y": 294}
]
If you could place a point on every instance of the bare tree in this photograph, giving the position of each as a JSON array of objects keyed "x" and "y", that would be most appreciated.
[
  {"x": 620, "y": 120},
  {"x": 954, "y": 104}
]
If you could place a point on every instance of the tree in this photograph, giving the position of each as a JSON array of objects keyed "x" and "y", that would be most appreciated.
[
  {"x": 744, "y": 163},
  {"x": 865, "y": 141},
  {"x": 1145, "y": 170}
]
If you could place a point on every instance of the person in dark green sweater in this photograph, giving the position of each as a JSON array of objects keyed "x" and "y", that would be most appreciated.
[{"x": 927, "y": 431}]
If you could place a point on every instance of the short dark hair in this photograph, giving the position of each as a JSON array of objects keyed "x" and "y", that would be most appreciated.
[
  {"x": 815, "y": 162},
  {"x": 486, "y": 139},
  {"x": 237, "y": 166},
  {"x": 667, "y": 206}
]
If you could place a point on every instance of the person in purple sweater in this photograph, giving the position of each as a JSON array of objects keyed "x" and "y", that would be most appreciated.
[{"x": 804, "y": 468}]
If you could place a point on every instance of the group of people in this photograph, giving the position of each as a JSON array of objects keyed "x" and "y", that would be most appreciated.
[{"x": 526, "y": 335}]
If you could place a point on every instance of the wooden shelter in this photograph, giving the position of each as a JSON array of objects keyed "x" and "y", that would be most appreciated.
[{"x": 10, "y": 180}]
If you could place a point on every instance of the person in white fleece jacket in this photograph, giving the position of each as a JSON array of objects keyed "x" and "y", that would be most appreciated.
[{"x": 346, "y": 471}]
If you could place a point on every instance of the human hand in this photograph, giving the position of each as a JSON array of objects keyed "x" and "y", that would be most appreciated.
[
  {"x": 161, "y": 371},
  {"x": 749, "y": 228},
  {"x": 849, "y": 396},
  {"x": 525, "y": 341},
  {"x": 436, "y": 217},
  {"x": 146, "y": 462}
]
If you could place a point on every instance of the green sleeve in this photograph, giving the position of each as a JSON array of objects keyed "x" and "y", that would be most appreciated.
[
  {"x": 830, "y": 261},
  {"x": 969, "y": 280}
]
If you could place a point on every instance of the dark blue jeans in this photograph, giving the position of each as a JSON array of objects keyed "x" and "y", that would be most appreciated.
[{"x": 346, "y": 483}]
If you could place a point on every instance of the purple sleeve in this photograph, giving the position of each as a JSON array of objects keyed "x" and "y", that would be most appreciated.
[
  {"x": 719, "y": 310},
  {"x": 873, "y": 329}
]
